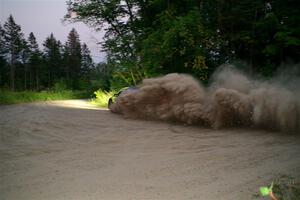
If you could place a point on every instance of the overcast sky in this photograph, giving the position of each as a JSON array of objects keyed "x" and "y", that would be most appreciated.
[{"x": 43, "y": 17}]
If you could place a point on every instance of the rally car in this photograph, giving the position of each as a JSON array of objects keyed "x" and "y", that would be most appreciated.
[{"x": 121, "y": 92}]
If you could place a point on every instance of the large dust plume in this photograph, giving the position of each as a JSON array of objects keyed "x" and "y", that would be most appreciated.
[{"x": 232, "y": 100}]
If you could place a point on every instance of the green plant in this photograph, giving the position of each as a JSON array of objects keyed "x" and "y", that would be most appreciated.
[
  {"x": 268, "y": 191},
  {"x": 102, "y": 98},
  {"x": 282, "y": 188},
  {"x": 60, "y": 86}
]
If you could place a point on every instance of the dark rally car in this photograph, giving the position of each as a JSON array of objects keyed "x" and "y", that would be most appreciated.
[{"x": 121, "y": 92}]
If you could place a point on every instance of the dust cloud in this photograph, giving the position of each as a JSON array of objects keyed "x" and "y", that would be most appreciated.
[{"x": 232, "y": 99}]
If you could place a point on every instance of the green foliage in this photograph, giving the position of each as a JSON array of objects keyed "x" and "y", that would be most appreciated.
[
  {"x": 181, "y": 44},
  {"x": 123, "y": 76},
  {"x": 286, "y": 188},
  {"x": 121, "y": 33},
  {"x": 8, "y": 97},
  {"x": 102, "y": 98},
  {"x": 264, "y": 191},
  {"x": 119, "y": 81},
  {"x": 97, "y": 84},
  {"x": 100, "y": 78},
  {"x": 60, "y": 86},
  {"x": 283, "y": 188}
]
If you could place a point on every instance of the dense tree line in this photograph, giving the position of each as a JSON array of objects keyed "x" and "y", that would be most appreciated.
[
  {"x": 150, "y": 37},
  {"x": 24, "y": 66}
]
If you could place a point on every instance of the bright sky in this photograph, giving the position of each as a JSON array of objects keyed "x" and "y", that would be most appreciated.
[{"x": 43, "y": 17}]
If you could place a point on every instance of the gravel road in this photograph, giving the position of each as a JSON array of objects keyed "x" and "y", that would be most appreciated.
[{"x": 73, "y": 150}]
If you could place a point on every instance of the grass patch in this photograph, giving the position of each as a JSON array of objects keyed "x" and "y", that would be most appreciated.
[
  {"x": 284, "y": 188},
  {"x": 102, "y": 98},
  {"x": 8, "y": 97}
]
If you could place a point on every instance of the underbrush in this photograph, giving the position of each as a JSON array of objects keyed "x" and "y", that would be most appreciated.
[
  {"x": 282, "y": 188},
  {"x": 101, "y": 98},
  {"x": 9, "y": 97},
  {"x": 286, "y": 188}
]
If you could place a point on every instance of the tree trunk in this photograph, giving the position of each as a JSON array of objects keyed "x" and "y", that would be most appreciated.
[
  {"x": 25, "y": 77},
  {"x": 31, "y": 75},
  {"x": 37, "y": 79},
  {"x": 69, "y": 84},
  {"x": 49, "y": 79},
  {"x": 0, "y": 80},
  {"x": 12, "y": 73}
]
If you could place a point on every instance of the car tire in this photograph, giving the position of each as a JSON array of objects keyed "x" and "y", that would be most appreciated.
[{"x": 110, "y": 102}]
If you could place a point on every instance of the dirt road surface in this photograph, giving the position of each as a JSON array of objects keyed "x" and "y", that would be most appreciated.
[{"x": 72, "y": 150}]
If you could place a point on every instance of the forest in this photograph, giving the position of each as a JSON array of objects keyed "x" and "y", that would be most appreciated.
[
  {"x": 146, "y": 38},
  {"x": 24, "y": 66}
]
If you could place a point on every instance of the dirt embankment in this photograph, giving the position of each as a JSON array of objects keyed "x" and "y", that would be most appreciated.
[{"x": 71, "y": 150}]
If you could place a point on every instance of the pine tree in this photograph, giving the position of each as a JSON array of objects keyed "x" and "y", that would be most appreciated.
[
  {"x": 3, "y": 63},
  {"x": 35, "y": 60},
  {"x": 53, "y": 58},
  {"x": 3, "y": 72},
  {"x": 24, "y": 65},
  {"x": 73, "y": 47},
  {"x": 2, "y": 41},
  {"x": 87, "y": 62},
  {"x": 12, "y": 46},
  {"x": 66, "y": 64}
]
